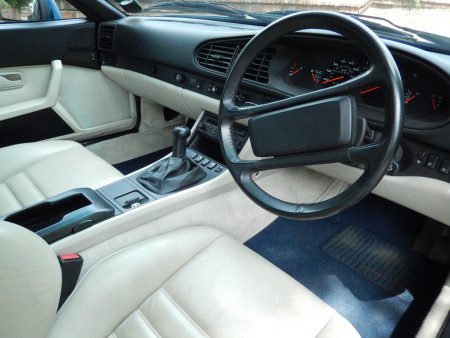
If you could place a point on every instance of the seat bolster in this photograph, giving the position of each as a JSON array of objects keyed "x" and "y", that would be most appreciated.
[
  {"x": 119, "y": 284},
  {"x": 30, "y": 283},
  {"x": 194, "y": 282},
  {"x": 21, "y": 156},
  {"x": 32, "y": 172}
]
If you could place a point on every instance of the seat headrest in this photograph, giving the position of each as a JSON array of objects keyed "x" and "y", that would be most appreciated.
[{"x": 30, "y": 283}]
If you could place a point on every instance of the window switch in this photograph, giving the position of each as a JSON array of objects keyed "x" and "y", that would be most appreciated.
[
  {"x": 211, "y": 165},
  {"x": 205, "y": 162},
  {"x": 199, "y": 158},
  {"x": 432, "y": 161},
  {"x": 445, "y": 167}
]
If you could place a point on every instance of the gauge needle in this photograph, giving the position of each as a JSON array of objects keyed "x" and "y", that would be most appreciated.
[
  {"x": 410, "y": 98},
  {"x": 433, "y": 103},
  {"x": 333, "y": 79},
  {"x": 314, "y": 77},
  {"x": 295, "y": 71},
  {"x": 369, "y": 90}
]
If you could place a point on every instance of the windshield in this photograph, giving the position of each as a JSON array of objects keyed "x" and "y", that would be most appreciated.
[{"x": 432, "y": 16}]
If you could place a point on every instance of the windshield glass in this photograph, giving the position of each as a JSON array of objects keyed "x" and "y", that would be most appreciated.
[{"x": 432, "y": 16}]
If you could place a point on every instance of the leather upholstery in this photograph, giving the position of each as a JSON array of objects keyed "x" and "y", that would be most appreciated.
[
  {"x": 193, "y": 282},
  {"x": 32, "y": 172},
  {"x": 30, "y": 283}
]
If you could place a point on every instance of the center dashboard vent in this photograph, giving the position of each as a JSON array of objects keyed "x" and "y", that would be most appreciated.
[
  {"x": 220, "y": 55},
  {"x": 106, "y": 37}
]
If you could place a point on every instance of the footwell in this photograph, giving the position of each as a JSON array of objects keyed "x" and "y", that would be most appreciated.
[{"x": 320, "y": 256}]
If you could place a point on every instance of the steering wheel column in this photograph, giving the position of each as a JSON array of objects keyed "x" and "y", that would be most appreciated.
[{"x": 317, "y": 127}]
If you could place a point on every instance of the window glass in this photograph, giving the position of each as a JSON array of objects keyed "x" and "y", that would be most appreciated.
[
  {"x": 37, "y": 10},
  {"x": 430, "y": 16}
]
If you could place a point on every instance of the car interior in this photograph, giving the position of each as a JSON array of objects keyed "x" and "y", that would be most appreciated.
[{"x": 199, "y": 175}]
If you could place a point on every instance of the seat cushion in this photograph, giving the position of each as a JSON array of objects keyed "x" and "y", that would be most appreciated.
[
  {"x": 193, "y": 282},
  {"x": 32, "y": 172}
]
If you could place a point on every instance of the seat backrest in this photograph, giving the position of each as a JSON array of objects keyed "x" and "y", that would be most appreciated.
[{"x": 30, "y": 283}]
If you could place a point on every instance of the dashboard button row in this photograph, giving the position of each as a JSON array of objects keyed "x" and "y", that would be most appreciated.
[
  {"x": 431, "y": 161},
  {"x": 204, "y": 162}
]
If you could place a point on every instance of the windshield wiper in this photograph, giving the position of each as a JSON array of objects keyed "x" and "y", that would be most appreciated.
[
  {"x": 400, "y": 31},
  {"x": 388, "y": 29},
  {"x": 200, "y": 6}
]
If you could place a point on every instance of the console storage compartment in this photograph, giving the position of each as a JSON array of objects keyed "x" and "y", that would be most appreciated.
[{"x": 64, "y": 214}]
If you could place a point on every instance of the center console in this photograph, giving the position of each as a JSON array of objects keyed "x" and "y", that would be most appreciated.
[
  {"x": 203, "y": 148},
  {"x": 78, "y": 209}
]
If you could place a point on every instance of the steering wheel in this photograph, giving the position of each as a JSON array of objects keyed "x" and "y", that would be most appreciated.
[{"x": 317, "y": 127}]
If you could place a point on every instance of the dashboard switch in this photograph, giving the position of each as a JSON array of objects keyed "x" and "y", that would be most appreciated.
[
  {"x": 421, "y": 156},
  {"x": 195, "y": 83},
  {"x": 213, "y": 89},
  {"x": 445, "y": 167},
  {"x": 432, "y": 161},
  {"x": 179, "y": 78},
  {"x": 392, "y": 169}
]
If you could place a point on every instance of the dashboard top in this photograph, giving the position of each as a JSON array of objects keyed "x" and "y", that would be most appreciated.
[{"x": 301, "y": 62}]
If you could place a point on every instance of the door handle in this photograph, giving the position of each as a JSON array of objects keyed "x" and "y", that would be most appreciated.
[{"x": 10, "y": 81}]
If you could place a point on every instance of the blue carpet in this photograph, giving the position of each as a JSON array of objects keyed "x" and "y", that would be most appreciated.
[{"x": 296, "y": 248}]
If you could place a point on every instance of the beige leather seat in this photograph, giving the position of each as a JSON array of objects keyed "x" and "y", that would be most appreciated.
[
  {"x": 31, "y": 172},
  {"x": 191, "y": 282}
]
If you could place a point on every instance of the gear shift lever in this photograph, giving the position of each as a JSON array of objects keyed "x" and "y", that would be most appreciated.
[
  {"x": 180, "y": 136},
  {"x": 173, "y": 173}
]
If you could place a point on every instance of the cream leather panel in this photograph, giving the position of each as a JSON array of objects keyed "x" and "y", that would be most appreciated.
[
  {"x": 30, "y": 283},
  {"x": 193, "y": 282},
  {"x": 31, "y": 172},
  {"x": 436, "y": 318},
  {"x": 427, "y": 196},
  {"x": 20, "y": 105},
  {"x": 92, "y": 99},
  {"x": 161, "y": 92},
  {"x": 35, "y": 84},
  {"x": 87, "y": 100}
]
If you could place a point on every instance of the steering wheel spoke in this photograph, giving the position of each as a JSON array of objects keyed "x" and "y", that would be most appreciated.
[
  {"x": 369, "y": 154},
  {"x": 252, "y": 166},
  {"x": 376, "y": 157}
]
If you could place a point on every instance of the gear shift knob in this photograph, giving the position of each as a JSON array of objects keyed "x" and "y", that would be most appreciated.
[{"x": 180, "y": 136}]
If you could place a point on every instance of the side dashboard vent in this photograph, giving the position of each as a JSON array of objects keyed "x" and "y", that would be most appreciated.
[
  {"x": 220, "y": 55},
  {"x": 106, "y": 37}
]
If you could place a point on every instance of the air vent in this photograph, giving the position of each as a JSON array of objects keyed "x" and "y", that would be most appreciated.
[
  {"x": 220, "y": 55},
  {"x": 106, "y": 37},
  {"x": 108, "y": 59}
]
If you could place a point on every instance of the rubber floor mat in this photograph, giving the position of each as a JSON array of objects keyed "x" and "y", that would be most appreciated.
[{"x": 379, "y": 261}]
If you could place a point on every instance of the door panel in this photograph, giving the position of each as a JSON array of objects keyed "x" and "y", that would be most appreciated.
[{"x": 63, "y": 94}]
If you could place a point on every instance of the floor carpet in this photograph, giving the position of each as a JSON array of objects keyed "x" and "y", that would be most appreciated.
[
  {"x": 301, "y": 249},
  {"x": 142, "y": 161}
]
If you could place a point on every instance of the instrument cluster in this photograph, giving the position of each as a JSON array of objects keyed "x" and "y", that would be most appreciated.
[{"x": 425, "y": 92}]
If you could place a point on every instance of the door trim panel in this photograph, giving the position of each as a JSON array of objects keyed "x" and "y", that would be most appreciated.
[{"x": 49, "y": 100}]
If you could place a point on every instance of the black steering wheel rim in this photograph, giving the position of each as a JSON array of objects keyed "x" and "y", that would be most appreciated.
[{"x": 375, "y": 157}]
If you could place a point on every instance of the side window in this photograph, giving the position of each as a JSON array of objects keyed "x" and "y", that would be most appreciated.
[{"x": 37, "y": 10}]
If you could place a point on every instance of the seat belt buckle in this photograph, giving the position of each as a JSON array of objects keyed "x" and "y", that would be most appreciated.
[{"x": 70, "y": 269}]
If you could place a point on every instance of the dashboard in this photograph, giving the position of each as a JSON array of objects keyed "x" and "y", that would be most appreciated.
[
  {"x": 425, "y": 92},
  {"x": 295, "y": 64}
]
